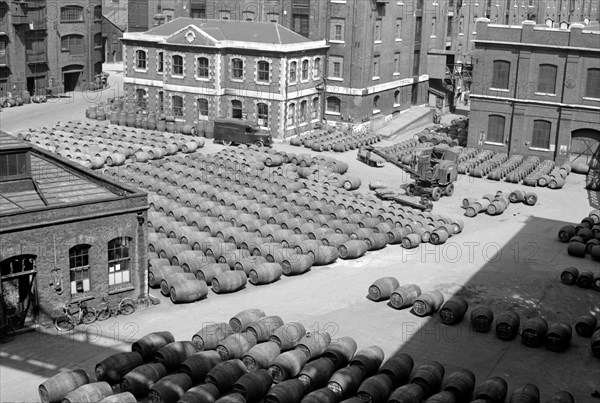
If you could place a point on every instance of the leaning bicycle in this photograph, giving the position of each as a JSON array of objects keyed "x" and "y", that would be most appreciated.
[
  {"x": 108, "y": 308},
  {"x": 75, "y": 313}
]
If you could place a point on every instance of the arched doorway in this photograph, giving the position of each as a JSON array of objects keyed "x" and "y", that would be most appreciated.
[
  {"x": 71, "y": 76},
  {"x": 19, "y": 291}
]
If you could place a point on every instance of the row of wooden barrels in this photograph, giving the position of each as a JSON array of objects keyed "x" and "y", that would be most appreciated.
[
  {"x": 534, "y": 331},
  {"x": 334, "y": 140},
  {"x": 496, "y": 204},
  {"x": 464, "y": 167},
  {"x": 405, "y": 153},
  {"x": 455, "y": 133},
  {"x": 584, "y": 279},
  {"x": 255, "y": 357},
  {"x": 547, "y": 175},
  {"x": 583, "y": 238}
]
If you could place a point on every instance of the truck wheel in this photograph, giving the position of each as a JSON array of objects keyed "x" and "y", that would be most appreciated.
[
  {"x": 259, "y": 143},
  {"x": 410, "y": 189},
  {"x": 449, "y": 191},
  {"x": 226, "y": 143},
  {"x": 436, "y": 193}
]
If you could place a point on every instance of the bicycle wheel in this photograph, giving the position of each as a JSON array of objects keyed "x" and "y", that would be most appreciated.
[
  {"x": 103, "y": 314},
  {"x": 64, "y": 323},
  {"x": 127, "y": 306},
  {"x": 89, "y": 316}
]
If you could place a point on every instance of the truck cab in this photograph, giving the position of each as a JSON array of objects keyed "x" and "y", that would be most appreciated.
[{"x": 239, "y": 131}]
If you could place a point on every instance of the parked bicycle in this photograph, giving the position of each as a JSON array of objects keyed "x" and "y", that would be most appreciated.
[
  {"x": 107, "y": 308},
  {"x": 75, "y": 313}
]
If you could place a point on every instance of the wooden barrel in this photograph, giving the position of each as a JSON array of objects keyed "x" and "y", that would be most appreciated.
[
  {"x": 139, "y": 380},
  {"x": 253, "y": 385},
  {"x": 323, "y": 255},
  {"x": 428, "y": 303},
  {"x": 188, "y": 291},
  {"x": 376, "y": 388},
  {"x": 248, "y": 263},
  {"x": 210, "y": 271},
  {"x": 289, "y": 391},
  {"x": 261, "y": 355},
  {"x": 313, "y": 344},
  {"x": 123, "y": 397},
  {"x": 492, "y": 390},
  {"x": 89, "y": 393},
  {"x": 398, "y": 368},
  {"x": 112, "y": 368},
  {"x": 411, "y": 241},
  {"x": 209, "y": 130},
  {"x": 507, "y": 325},
  {"x": 245, "y": 318},
  {"x": 404, "y": 296},
  {"x": 382, "y": 289},
  {"x": 530, "y": 198},
  {"x": 562, "y": 396},
  {"x": 585, "y": 325},
  {"x": 205, "y": 393},
  {"x": 595, "y": 343},
  {"x": 288, "y": 335},
  {"x": 170, "y": 388},
  {"x": 296, "y": 264},
  {"x": 115, "y": 159},
  {"x": 411, "y": 393},
  {"x": 265, "y": 273},
  {"x": 558, "y": 336},
  {"x": 209, "y": 337},
  {"x": 158, "y": 273},
  {"x": 236, "y": 345},
  {"x": 226, "y": 373},
  {"x": 566, "y": 232},
  {"x": 585, "y": 279},
  {"x": 429, "y": 377},
  {"x": 265, "y": 327},
  {"x": 576, "y": 249},
  {"x": 534, "y": 331},
  {"x": 496, "y": 208},
  {"x": 287, "y": 365},
  {"x": 198, "y": 365},
  {"x": 316, "y": 373},
  {"x": 173, "y": 354},
  {"x": 368, "y": 359},
  {"x": 229, "y": 281},
  {"x": 345, "y": 382},
  {"x": 148, "y": 345},
  {"x": 516, "y": 196},
  {"x": 172, "y": 278},
  {"x": 569, "y": 275},
  {"x": 353, "y": 249},
  {"x": 395, "y": 235},
  {"x": 461, "y": 384},
  {"x": 482, "y": 318},
  {"x": 54, "y": 389},
  {"x": 453, "y": 310},
  {"x": 527, "y": 393}
]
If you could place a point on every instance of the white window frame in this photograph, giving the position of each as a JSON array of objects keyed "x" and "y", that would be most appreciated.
[
  {"x": 378, "y": 24},
  {"x": 173, "y": 75},
  {"x": 197, "y": 65},
  {"x": 398, "y": 32},
  {"x": 327, "y": 111},
  {"x": 135, "y": 60},
  {"x": 333, "y": 60},
  {"x": 332, "y": 36},
  {"x": 396, "y": 64},
  {"x": 293, "y": 80},
  {"x": 268, "y": 125},
  {"x": 203, "y": 117},
  {"x": 291, "y": 118},
  {"x": 308, "y": 69},
  {"x": 158, "y": 53},
  {"x": 376, "y": 70},
  {"x": 231, "y": 77},
  {"x": 314, "y": 117},
  {"x": 256, "y": 80},
  {"x": 316, "y": 65},
  {"x": 376, "y": 108}
]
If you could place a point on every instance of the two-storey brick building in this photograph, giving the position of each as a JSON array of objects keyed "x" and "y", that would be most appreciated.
[
  {"x": 204, "y": 69},
  {"x": 66, "y": 234},
  {"x": 49, "y": 43},
  {"x": 536, "y": 91}
]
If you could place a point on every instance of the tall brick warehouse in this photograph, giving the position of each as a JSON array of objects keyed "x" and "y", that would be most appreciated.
[{"x": 66, "y": 234}]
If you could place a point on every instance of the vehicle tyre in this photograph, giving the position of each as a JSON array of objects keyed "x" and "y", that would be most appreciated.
[
  {"x": 89, "y": 316},
  {"x": 410, "y": 189},
  {"x": 127, "y": 306},
  {"x": 449, "y": 191},
  {"x": 63, "y": 323},
  {"x": 103, "y": 314},
  {"x": 259, "y": 143},
  {"x": 226, "y": 143},
  {"x": 436, "y": 193}
]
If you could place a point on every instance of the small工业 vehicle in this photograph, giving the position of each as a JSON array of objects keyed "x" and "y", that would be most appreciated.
[{"x": 239, "y": 131}]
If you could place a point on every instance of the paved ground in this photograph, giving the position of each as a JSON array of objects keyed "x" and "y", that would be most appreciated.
[{"x": 509, "y": 261}]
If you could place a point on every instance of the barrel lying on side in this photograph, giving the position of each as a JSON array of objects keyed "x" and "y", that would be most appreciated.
[{"x": 54, "y": 389}]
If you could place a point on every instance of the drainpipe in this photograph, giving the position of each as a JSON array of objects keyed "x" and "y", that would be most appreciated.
[{"x": 512, "y": 112}]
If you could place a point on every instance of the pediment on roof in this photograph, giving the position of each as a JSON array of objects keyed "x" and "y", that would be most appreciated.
[{"x": 191, "y": 35}]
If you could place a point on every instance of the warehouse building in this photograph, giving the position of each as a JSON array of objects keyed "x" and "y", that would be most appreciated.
[
  {"x": 536, "y": 91},
  {"x": 66, "y": 234},
  {"x": 205, "y": 69}
]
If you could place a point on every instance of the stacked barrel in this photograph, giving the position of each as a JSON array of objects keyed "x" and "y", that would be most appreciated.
[
  {"x": 583, "y": 238},
  {"x": 547, "y": 174},
  {"x": 254, "y": 357},
  {"x": 99, "y": 145},
  {"x": 496, "y": 204},
  {"x": 329, "y": 138},
  {"x": 453, "y": 135}
]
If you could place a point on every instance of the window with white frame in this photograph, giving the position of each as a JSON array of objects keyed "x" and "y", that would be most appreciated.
[
  {"x": 315, "y": 108},
  {"x": 202, "y": 108},
  {"x": 302, "y": 116},
  {"x": 376, "y": 104},
  {"x": 140, "y": 59},
  {"x": 263, "y": 71},
  {"x": 177, "y": 65},
  {"x": 396, "y": 98},
  {"x": 334, "y": 105},
  {"x": 236, "y": 109},
  {"x": 396, "y": 62},
  {"x": 376, "y": 66},
  {"x": 336, "y": 67},
  {"x": 161, "y": 62},
  {"x": 202, "y": 70},
  {"x": 293, "y": 72},
  {"x": 262, "y": 114},
  {"x": 317, "y": 68},
  {"x": 177, "y": 105},
  {"x": 118, "y": 261},
  {"x": 79, "y": 269},
  {"x": 541, "y": 134},
  {"x": 291, "y": 118},
  {"x": 304, "y": 69},
  {"x": 237, "y": 68},
  {"x": 377, "y": 34},
  {"x": 398, "y": 28},
  {"x": 337, "y": 29}
]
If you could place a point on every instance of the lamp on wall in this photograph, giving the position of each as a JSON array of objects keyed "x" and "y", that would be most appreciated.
[{"x": 140, "y": 218}]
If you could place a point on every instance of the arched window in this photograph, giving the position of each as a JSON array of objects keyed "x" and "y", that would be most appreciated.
[
  {"x": 119, "y": 261},
  {"x": 97, "y": 40},
  {"x": 262, "y": 114},
  {"x": 376, "y": 104},
  {"x": 237, "y": 68},
  {"x": 396, "y": 98},
  {"x": 541, "y": 134},
  {"x": 305, "y": 69},
  {"x": 72, "y": 44},
  {"x": 98, "y": 13},
  {"x": 293, "y": 72},
  {"x": 317, "y": 68},
  {"x": 291, "y": 114},
  {"x": 202, "y": 67},
  {"x": 140, "y": 59},
  {"x": 315, "y": 108},
  {"x": 263, "y": 71},
  {"x": 178, "y": 65},
  {"x": 592, "y": 89},
  {"x": 236, "y": 109},
  {"x": 495, "y": 132},
  {"x": 177, "y": 105},
  {"x": 140, "y": 95},
  {"x": 334, "y": 105},
  {"x": 79, "y": 269},
  {"x": 303, "y": 112},
  {"x": 71, "y": 14},
  {"x": 500, "y": 74},
  {"x": 547, "y": 79},
  {"x": 202, "y": 108}
]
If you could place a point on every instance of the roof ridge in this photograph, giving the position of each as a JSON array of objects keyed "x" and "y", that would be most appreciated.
[{"x": 278, "y": 35}]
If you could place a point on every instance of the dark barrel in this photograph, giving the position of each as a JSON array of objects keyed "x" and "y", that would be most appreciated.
[
  {"x": 559, "y": 336},
  {"x": 460, "y": 383},
  {"x": 113, "y": 368},
  {"x": 345, "y": 382},
  {"x": 429, "y": 377},
  {"x": 404, "y": 296},
  {"x": 534, "y": 332},
  {"x": 341, "y": 351},
  {"x": 562, "y": 396},
  {"x": 369, "y": 359},
  {"x": 376, "y": 388},
  {"x": 225, "y": 374},
  {"x": 492, "y": 390},
  {"x": 54, "y": 389},
  {"x": 148, "y": 345},
  {"x": 507, "y": 325},
  {"x": 442, "y": 397},
  {"x": 287, "y": 365},
  {"x": 288, "y": 391},
  {"x": 288, "y": 335},
  {"x": 411, "y": 393},
  {"x": 173, "y": 354},
  {"x": 398, "y": 368},
  {"x": 169, "y": 389},
  {"x": 453, "y": 310},
  {"x": 323, "y": 395},
  {"x": 253, "y": 385},
  {"x": 585, "y": 279},
  {"x": 315, "y": 374},
  {"x": 527, "y": 393},
  {"x": 140, "y": 380},
  {"x": 569, "y": 275},
  {"x": 199, "y": 364},
  {"x": 428, "y": 303},
  {"x": 383, "y": 288},
  {"x": 585, "y": 325},
  {"x": 209, "y": 337},
  {"x": 205, "y": 393},
  {"x": 482, "y": 318},
  {"x": 261, "y": 355}
]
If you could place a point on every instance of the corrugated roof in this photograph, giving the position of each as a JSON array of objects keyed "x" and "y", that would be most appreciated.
[{"x": 246, "y": 31}]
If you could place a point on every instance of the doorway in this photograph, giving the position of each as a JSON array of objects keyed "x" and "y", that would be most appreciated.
[
  {"x": 414, "y": 94},
  {"x": 71, "y": 80},
  {"x": 19, "y": 291}
]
